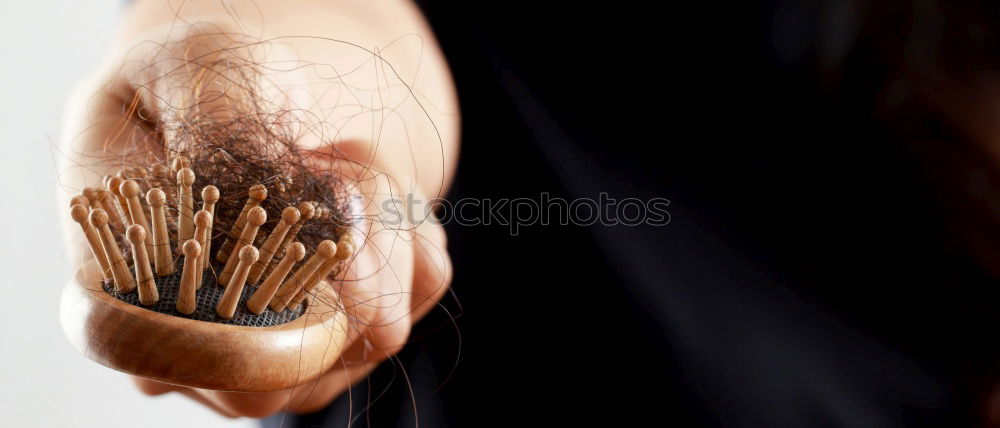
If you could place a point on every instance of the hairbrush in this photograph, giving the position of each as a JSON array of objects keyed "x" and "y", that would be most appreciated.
[{"x": 255, "y": 311}]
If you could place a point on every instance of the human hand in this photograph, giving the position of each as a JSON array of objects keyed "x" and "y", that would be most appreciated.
[{"x": 400, "y": 269}]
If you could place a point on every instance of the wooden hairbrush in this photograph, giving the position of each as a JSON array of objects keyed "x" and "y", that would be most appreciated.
[{"x": 256, "y": 314}]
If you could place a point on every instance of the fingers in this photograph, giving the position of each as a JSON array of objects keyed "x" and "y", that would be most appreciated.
[
  {"x": 152, "y": 387},
  {"x": 431, "y": 279},
  {"x": 432, "y": 269},
  {"x": 199, "y": 397},
  {"x": 396, "y": 277},
  {"x": 376, "y": 295},
  {"x": 229, "y": 404},
  {"x": 101, "y": 128},
  {"x": 308, "y": 397},
  {"x": 305, "y": 398},
  {"x": 401, "y": 271},
  {"x": 316, "y": 395},
  {"x": 246, "y": 404}
]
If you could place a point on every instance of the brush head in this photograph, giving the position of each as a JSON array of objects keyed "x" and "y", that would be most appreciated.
[
  {"x": 249, "y": 353},
  {"x": 185, "y": 326}
]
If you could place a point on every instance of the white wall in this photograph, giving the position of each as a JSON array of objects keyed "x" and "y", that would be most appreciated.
[{"x": 46, "y": 46}]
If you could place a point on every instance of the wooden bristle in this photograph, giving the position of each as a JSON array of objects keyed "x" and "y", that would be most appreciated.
[
  {"x": 311, "y": 283},
  {"x": 257, "y": 194},
  {"x": 79, "y": 200},
  {"x": 283, "y": 275},
  {"x": 106, "y": 201},
  {"x": 161, "y": 173},
  {"x": 323, "y": 212},
  {"x": 148, "y": 294},
  {"x": 186, "y": 302},
  {"x": 289, "y": 216},
  {"x": 161, "y": 237},
  {"x": 79, "y": 213},
  {"x": 89, "y": 194},
  {"x": 202, "y": 234},
  {"x": 306, "y": 212},
  {"x": 135, "y": 173},
  {"x": 138, "y": 175},
  {"x": 179, "y": 163},
  {"x": 231, "y": 297},
  {"x": 290, "y": 288},
  {"x": 209, "y": 197},
  {"x": 345, "y": 248},
  {"x": 119, "y": 270},
  {"x": 110, "y": 205},
  {"x": 260, "y": 299},
  {"x": 284, "y": 183},
  {"x": 254, "y": 219},
  {"x": 95, "y": 199},
  {"x": 163, "y": 178},
  {"x": 185, "y": 204},
  {"x": 130, "y": 190},
  {"x": 114, "y": 184}
]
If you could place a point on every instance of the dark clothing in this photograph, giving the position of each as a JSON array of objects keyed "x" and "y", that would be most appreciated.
[{"x": 805, "y": 277}]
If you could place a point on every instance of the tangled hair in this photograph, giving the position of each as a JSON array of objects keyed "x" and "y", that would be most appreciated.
[
  {"x": 236, "y": 155},
  {"x": 208, "y": 102}
]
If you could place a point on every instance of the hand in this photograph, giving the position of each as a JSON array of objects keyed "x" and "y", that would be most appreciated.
[
  {"x": 397, "y": 277},
  {"x": 399, "y": 272}
]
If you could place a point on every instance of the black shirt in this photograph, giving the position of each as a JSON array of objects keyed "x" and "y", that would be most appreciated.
[{"x": 805, "y": 277}]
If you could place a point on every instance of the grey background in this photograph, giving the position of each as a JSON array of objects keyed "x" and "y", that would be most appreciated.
[{"x": 47, "y": 47}]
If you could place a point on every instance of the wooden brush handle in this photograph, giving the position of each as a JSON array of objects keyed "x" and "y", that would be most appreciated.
[{"x": 200, "y": 354}]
